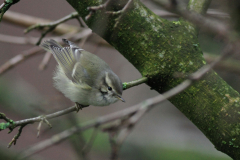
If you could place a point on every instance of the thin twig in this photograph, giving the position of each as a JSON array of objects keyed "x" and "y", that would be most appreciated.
[
  {"x": 48, "y": 27},
  {"x": 134, "y": 83},
  {"x": 124, "y": 132},
  {"x": 45, "y": 61},
  {"x": 18, "y": 40},
  {"x": 15, "y": 138},
  {"x": 114, "y": 146},
  {"x": 89, "y": 145},
  {"x": 49, "y": 116},
  {"x": 39, "y": 128},
  {"x": 19, "y": 58},
  {"x": 95, "y": 8},
  {"x": 211, "y": 12},
  {"x": 120, "y": 11},
  {"x": 27, "y": 20},
  {"x": 206, "y": 24},
  {"x": 231, "y": 65}
]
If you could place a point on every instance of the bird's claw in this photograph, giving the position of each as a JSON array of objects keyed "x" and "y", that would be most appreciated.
[{"x": 78, "y": 107}]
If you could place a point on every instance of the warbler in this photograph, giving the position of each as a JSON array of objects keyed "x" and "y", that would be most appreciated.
[{"x": 83, "y": 77}]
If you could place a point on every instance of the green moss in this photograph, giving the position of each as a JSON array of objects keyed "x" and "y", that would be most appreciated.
[
  {"x": 124, "y": 85},
  {"x": 4, "y": 125},
  {"x": 159, "y": 48}
]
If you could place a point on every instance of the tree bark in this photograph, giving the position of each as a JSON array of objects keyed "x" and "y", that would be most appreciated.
[{"x": 158, "y": 48}]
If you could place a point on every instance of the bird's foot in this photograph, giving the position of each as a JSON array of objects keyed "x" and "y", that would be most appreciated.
[{"x": 79, "y": 106}]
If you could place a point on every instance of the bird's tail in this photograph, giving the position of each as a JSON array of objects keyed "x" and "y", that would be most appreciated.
[
  {"x": 63, "y": 55},
  {"x": 46, "y": 45}
]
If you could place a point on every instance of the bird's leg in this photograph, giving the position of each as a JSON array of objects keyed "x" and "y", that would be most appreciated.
[{"x": 79, "y": 106}]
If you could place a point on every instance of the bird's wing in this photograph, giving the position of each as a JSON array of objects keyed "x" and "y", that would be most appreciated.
[{"x": 68, "y": 58}]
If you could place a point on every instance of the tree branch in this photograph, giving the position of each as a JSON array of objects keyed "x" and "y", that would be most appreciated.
[
  {"x": 231, "y": 65},
  {"x": 200, "y": 21},
  {"x": 48, "y": 27},
  {"x": 54, "y": 24},
  {"x": 19, "y": 58},
  {"x": 5, "y": 6},
  {"x": 45, "y": 61},
  {"x": 159, "y": 48},
  {"x": 200, "y": 6},
  {"x": 127, "y": 85},
  {"x": 27, "y": 20}
]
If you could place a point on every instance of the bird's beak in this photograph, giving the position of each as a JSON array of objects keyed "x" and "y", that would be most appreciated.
[{"x": 120, "y": 98}]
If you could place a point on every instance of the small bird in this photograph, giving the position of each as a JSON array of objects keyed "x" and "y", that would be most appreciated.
[{"x": 83, "y": 77}]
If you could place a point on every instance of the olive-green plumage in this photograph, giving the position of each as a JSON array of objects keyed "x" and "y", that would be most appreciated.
[{"x": 82, "y": 76}]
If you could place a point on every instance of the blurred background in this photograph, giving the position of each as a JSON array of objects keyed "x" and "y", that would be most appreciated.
[{"x": 25, "y": 91}]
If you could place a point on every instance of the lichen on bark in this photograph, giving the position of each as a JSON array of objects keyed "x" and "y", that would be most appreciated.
[{"x": 158, "y": 48}]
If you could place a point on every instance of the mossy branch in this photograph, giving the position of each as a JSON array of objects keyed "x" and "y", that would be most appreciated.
[
  {"x": 8, "y": 123},
  {"x": 127, "y": 85},
  {"x": 5, "y": 6},
  {"x": 159, "y": 48}
]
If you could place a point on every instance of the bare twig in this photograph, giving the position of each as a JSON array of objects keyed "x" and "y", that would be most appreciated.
[
  {"x": 88, "y": 145},
  {"x": 229, "y": 50},
  {"x": 211, "y": 12},
  {"x": 120, "y": 136},
  {"x": 39, "y": 128},
  {"x": 43, "y": 119},
  {"x": 27, "y": 20},
  {"x": 19, "y": 58},
  {"x": 204, "y": 23},
  {"x": 15, "y": 138},
  {"x": 43, "y": 34},
  {"x": 18, "y": 40},
  {"x": 45, "y": 61},
  {"x": 114, "y": 146},
  {"x": 48, "y": 27},
  {"x": 231, "y": 65},
  {"x": 40, "y": 118},
  {"x": 122, "y": 10},
  {"x": 95, "y": 8}
]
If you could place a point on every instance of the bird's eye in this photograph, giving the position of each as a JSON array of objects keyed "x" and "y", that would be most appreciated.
[{"x": 109, "y": 88}]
